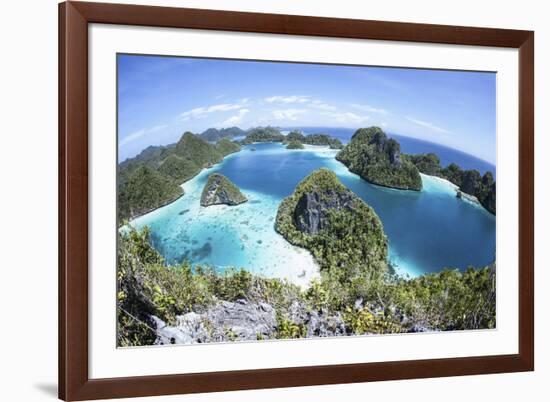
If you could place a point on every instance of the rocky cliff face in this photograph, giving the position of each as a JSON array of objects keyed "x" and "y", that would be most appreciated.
[
  {"x": 311, "y": 214},
  {"x": 244, "y": 320},
  {"x": 227, "y": 321},
  {"x": 220, "y": 190}
]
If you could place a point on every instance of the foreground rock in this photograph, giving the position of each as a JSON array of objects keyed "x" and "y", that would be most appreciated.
[
  {"x": 227, "y": 321},
  {"x": 220, "y": 190},
  {"x": 245, "y": 321},
  {"x": 377, "y": 159}
]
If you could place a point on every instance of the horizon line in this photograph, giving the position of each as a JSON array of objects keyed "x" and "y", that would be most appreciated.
[{"x": 283, "y": 127}]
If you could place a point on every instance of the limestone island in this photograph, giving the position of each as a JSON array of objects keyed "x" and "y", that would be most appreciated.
[
  {"x": 343, "y": 233},
  {"x": 295, "y": 145},
  {"x": 220, "y": 190},
  {"x": 377, "y": 159},
  {"x": 313, "y": 139}
]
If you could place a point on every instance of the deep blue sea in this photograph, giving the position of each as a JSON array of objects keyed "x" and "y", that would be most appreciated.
[{"x": 427, "y": 230}]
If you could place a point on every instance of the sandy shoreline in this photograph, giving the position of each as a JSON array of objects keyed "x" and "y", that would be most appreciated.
[
  {"x": 471, "y": 199},
  {"x": 268, "y": 254},
  {"x": 442, "y": 180},
  {"x": 319, "y": 147}
]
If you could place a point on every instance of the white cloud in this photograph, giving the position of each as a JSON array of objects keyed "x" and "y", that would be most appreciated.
[
  {"x": 140, "y": 133},
  {"x": 428, "y": 125},
  {"x": 236, "y": 119},
  {"x": 200, "y": 112},
  {"x": 318, "y": 104},
  {"x": 302, "y": 100},
  {"x": 346, "y": 118},
  {"x": 288, "y": 114},
  {"x": 369, "y": 109},
  {"x": 288, "y": 99}
]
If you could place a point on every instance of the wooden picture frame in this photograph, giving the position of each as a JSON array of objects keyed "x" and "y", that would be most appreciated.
[{"x": 74, "y": 381}]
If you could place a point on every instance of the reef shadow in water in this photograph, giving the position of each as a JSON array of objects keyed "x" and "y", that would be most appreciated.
[{"x": 195, "y": 254}]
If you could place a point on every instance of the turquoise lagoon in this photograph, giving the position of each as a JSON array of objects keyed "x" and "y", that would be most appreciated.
[{"x": 427, "y": 230}]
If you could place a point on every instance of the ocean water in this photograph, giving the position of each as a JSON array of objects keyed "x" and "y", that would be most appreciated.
[{"x": 427, "y": 230}]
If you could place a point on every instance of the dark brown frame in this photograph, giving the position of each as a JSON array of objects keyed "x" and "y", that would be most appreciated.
[{"x": 74, "y": 17}]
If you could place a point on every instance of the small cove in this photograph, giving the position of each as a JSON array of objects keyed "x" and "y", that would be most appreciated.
[{"x": 427, "y": 230}]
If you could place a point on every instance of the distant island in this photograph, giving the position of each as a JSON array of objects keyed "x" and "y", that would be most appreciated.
[
  {"x": 263, "y": 134},
  {"x": 377, "y": 159},
  {"x": 294, "y": 145},
  {"x": 273, "y": 134},
  {"x": 216, "y": 134},
  {"x": 314, "y": 139}
]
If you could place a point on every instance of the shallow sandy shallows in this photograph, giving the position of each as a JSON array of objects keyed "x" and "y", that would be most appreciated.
[{"x": 241, "y": 236}]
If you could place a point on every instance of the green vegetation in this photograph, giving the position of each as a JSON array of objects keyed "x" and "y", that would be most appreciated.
[
  {"x": 323, "y": 139},
  {"x": 426, "y": 163},
  {"x": 263, "y": 134},
  {"x": 342, "y": 232},
  {"x": 351, "y": 250},
  {"x": 151, "y": 156},
  {"x": 152, "y": 178},
  {"x": 295, "y": 145},
  {"x": 214, "y": 134},
  {"x": 295, "y": 136},
  {"x": 313, "y": 139},
  {"x": 179, "y": 169},
  {"x": 287, "y": 329},
  {"x": 449, "y": 299},
  {"x": 144, "y": 190},
  {"x": 146, "y": 287},
  {"x": 468, "y": 181},
  {"x": 471, "y": 182},
  {"x": 226, "y": 147},
  {"x": 197, "y": 150},
  {"x": 378, "y": 160},
  {"x": 220, "y": 190}
]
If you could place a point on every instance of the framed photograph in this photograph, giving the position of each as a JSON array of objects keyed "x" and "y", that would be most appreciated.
[{"x": 261, "y": 200}]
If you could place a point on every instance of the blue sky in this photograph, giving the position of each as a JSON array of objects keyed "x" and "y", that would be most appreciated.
[{"x": 162, "y": 97}]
